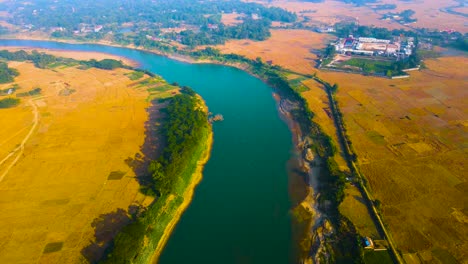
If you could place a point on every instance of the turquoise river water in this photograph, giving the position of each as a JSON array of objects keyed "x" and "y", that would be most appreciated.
[{"x": 240, "y": 211}]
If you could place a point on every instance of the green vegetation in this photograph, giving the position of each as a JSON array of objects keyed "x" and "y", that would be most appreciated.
[
  {"x": 9, "y": 90},
  {"x": 377, "y": 257},
  {"x": 186, "y": 131},
  {"x": 135, "y": 75},
  {"x": 297, "y": 85},
  {"x": 403, "y": 17},
  {"x": 202, "y": 20},
  {"x": 431, "y": 36},
  {"x": 7, "y": 74},
  {"x": 35, "y": 91},
  {"x": 9, "y": 102},
  {"x": 105, "y": 64},
  {"x": 370, "y": 65},
  {"x": 46, "y": 61},
  {"x": 182, "y": 130}
]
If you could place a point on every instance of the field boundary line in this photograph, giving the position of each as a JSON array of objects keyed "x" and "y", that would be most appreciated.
[{"x": 23, "y": 142}]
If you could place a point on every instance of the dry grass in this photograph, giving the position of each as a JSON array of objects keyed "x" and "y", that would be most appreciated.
[
  {"x": 288, "y": 48},
  {"x": 329, "y": 12},
  {"x": 410, "y": 136},
  {"x": 60, "y": 183},
  {"x": 354, "y": 207},
  {"x": 429, "y": 15},
  {"x": 230, "y": 19}
]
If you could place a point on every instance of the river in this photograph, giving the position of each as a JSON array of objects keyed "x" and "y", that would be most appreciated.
[{"x": 240, "y": 211}]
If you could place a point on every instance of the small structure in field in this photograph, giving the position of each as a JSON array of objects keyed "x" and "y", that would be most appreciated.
[{"x": 368, "y": 244}]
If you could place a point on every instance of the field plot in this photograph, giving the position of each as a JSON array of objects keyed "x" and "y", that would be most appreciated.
[
  {"x": 288, "y": 48},
  {"x": 65, "y": 191},
  {"x": 331, "y": 12},
  {"x": 428, "y": 13},
  {"x": 411, "y": 137},
  {"x": 317, "y": 100}
]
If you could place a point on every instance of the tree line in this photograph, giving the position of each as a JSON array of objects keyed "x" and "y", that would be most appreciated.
[
  {"x": 184, "y": 130},
  {"x": 43, "y": 60},
  {"x": 183, "y": 127},
  {"x": 65, "y": 17},
  {"x": 7, "y": 74}
]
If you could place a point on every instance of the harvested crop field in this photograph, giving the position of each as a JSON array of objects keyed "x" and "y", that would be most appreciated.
[
  {"x": 288, "y": 48},
  {"x": 428, "y": 13},
  {"x": 63, "y": 194},
  {"x": 411, "y": 137}
]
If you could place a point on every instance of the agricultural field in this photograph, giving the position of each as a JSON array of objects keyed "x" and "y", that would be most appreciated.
[
  {"x": 427, "y": 12},
  {"x": 299, "y": 45},
  {"x": 410, "y": 136},
  {"x": 60, "y": 202}
]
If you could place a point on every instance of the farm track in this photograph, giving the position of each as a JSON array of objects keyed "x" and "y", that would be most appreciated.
[{"x": 20, "y": 149}]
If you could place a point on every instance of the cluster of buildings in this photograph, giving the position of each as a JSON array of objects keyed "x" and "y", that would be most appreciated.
[
  {"x": 373, "y": 47},
  {"x": 85, "y": 28}
]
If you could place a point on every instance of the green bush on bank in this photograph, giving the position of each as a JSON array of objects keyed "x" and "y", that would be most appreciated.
[
  {"x": 9, "y": 102},
  {"x": 186, "y": 131}
]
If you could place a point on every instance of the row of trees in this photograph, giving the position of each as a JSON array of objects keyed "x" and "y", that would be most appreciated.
[
  {"x": 9, "y": 102},
  {"x": 182, "y": 130},
  {"x": 43, "y": 60},
  {"x": 7, "y": 74},
  {"x": 146, "y": 14}
]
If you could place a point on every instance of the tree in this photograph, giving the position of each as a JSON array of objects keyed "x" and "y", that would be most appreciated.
[
  {"x": 389, "y": 73},
  {"x": 334, "y": 88}
]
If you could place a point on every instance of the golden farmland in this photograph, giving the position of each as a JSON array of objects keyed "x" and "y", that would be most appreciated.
[
  {"x": 411, "y": 137},
  {"x": 428, "y": 13},
  {"x": 72, "y": 168},
  {"x": 288, "y": 48}
]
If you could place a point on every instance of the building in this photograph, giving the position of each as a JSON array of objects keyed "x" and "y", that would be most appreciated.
[
  {"x": 368, "y": 243},
  {"x": 367, "y": 46}
]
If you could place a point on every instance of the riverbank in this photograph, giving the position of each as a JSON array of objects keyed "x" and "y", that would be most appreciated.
[
  {"x": 187, "y": 196},
  {"x": 284, "y": 93}
]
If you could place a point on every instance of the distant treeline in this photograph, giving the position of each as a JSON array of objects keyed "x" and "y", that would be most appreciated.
[
  {"x": 33, "y": 92},
  {"x": 148, "y": 17},
  {"x": 43, "y": 60}
]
